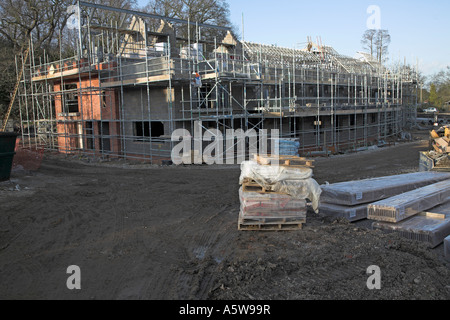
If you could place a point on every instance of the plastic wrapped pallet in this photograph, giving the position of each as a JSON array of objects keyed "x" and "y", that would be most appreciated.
[
  {"x": 288, "y": 147},
  {"x": 271, "y": 205},
  {"x": 410, "y": 203},
  {"x": 351, "y": 193},
  {"x": 296, "y": 182},
  {"x": 271, "y": 174},
  {"x": 350, "y": 213},
  {"x": 427, "y": 227}
]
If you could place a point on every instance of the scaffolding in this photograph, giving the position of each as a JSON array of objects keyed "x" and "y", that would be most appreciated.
[{"x": 134, "y": 81}]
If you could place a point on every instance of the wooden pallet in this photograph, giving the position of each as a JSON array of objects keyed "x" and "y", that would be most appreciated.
[
  {"x": 252, "y": 186},
  {"x": 284, "y": 161},
  {"x": 270, "y": 224}
]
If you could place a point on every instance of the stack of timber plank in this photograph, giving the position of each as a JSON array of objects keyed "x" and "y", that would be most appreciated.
[
  {"x": 266, "y": 203},
  {"x": 350, "y": 200},
  {"x": 447, "y": 248},
  {"x": 431, "y": 227},
  {"x": 408, "y": 204}
]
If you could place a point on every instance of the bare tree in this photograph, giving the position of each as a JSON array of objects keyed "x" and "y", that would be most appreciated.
[
  {"x": 105, "y": 16},
  {"x": 214, "y": 12},
  {"x": 368, "y": 40},
  {"x": 376, "y": 42},
  {"x": 382, "y": 41},
  {"x": 39, "y": 19}
]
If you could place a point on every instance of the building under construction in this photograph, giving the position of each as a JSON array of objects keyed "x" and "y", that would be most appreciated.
[{"x": 135, "y": 79}]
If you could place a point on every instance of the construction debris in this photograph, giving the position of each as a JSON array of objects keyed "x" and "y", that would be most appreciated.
[
  {"x": 437, "y": 158},
  {"x": 273, "y": 197},
  {"x": 440, "y": 139}
]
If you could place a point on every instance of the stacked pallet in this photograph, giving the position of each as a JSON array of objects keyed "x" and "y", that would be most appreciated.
[
  {"x": 350, "y": 200},
  {"x": 289, "y": 147},
  {"x": 273, "y": 193}
]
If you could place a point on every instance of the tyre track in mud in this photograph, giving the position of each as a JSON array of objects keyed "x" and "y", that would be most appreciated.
[
  {"x": 34, "y": 270},
  {"x": 205, "y": 252},
  {"x": 171, "y": 233}
]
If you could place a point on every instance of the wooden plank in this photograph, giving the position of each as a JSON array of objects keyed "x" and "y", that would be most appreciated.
[
  {"x": 437, "y": 148},
  {"x": 270, "y": 220},
  {"x": 280, "y": 227},
  {"x": 255, "y": 187},
  {"x": 432, "y": 215},
  {"x": 271, "y": 224},
  {"x": 434, "y": 135},
  {"x": 441, "y": 143},
  {"x": 285, "y": 161}
]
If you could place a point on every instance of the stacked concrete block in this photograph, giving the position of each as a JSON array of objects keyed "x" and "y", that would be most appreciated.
[
  {"x": 270, "y": 211},
  {"x": 274, "y": 197}
]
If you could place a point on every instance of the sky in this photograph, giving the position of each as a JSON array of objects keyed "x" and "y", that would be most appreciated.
[{"x": 420, "y": 30}]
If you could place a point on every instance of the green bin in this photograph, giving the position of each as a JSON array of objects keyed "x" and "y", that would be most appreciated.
[{"x": 7, "y": 147}]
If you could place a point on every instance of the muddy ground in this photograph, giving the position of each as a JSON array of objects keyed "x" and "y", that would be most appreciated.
[{"x": 161, "y": 232}]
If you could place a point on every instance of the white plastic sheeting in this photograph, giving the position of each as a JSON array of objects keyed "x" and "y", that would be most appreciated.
[
  {"x": 447, "y": 248},
  {"x": 369, "y": 190},
  {"x": 271, "y": 205},
  {"x": 296, "y": 182},
  {"x": 410, "y": 203},
  {"x": 425, "y": 227},
  {"x": 350, "y": 213}
]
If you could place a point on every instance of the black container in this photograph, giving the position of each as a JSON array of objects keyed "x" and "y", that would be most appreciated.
[{"x": 7, "y": 147}]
